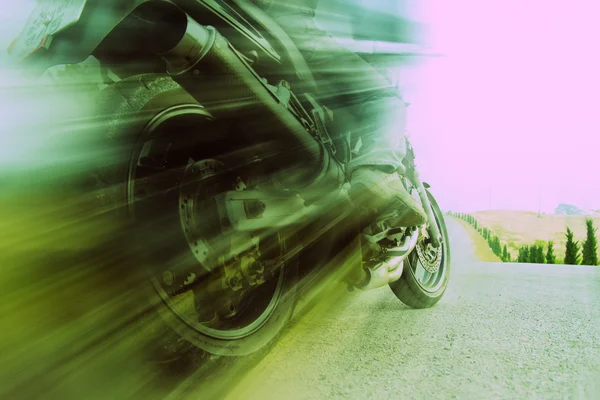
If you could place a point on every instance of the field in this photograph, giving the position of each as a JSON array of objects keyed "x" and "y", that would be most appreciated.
[{"x": 517, "y": 228}]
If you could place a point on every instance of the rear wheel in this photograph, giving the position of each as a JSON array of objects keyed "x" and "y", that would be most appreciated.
[
  {"x": 165, "y": 159},
  {"x": 426, "y": 270}
]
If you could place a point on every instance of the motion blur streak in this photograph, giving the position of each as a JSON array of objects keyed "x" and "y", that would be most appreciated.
[
  {"x": 75, "y": 318},
  {"x": 75, "y": 322}
]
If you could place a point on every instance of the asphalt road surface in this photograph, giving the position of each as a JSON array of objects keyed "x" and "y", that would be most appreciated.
[{"x": 501, "y": 331}]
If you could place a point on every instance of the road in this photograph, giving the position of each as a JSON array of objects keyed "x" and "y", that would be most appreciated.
[{"x": 501, "y": 331}]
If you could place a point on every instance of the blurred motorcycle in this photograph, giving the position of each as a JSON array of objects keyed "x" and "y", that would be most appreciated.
[{"x": 210, "y": 141}]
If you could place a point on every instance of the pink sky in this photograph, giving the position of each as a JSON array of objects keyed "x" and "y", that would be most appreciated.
[
  {"x": 513, "y": 109},
  {"x": 515, "y": 105}
]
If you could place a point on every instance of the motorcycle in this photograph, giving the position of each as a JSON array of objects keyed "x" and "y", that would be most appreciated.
[{"x": 214, "y": 147}]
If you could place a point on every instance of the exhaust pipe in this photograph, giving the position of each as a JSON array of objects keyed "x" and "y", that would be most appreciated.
[
  {"x": 384, "y": 274},
  {"x": 391, "y": 270},
  {"x": 205, "y": 64}
]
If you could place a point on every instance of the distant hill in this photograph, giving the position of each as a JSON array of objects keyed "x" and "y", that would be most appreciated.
[
  {"x": 516, "y": 228},
  {"x": 569, "y": 209}
]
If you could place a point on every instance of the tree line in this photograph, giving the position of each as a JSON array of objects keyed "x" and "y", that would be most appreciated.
[
  {"x": 492, "y": 239},
  {"x": 541, "y": 252},
  {"x": 589, "y": 247}
]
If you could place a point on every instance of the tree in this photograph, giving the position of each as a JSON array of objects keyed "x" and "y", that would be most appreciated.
[
  {"x": 497, "y": 246},
  {"x": 590, "y": 246},
  {"x": 523, "y": 254},
  {"x": 534, "y": 254},
  {"x": 505, "y": 255},
  {"x": 494, "y": 244},
  {"x": 550, "y": 258},
  {"x": 572, "y": 249},
  {"x": 541, "y": 259}
]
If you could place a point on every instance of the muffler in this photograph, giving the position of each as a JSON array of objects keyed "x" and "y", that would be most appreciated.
[
  {"x": 384, "y": 274},
  {"x": 391, "y": 270},
  {"x": 205, "y": 64}
]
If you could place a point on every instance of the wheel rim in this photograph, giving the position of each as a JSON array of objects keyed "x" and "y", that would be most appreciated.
[{"x": 194, "y": 293}]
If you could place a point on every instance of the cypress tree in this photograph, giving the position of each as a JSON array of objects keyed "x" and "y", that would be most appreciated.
[
  {"x": 533, "y": 256},
  {"x": 505, "y": 257},
  {"x": 526, "y": 254},
  {"x": 550, "y": 258},
  {"x": 540, "y": 253},
  {"x": 572, "y": 249},
  {"x": 590, "y": 246},
  {"x": 521, "y": 256}
]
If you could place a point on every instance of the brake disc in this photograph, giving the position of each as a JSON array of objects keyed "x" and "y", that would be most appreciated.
[{"x": 430, "y": 257}]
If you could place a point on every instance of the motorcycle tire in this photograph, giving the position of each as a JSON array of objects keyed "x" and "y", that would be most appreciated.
[
  {"x": 124, "y": 110},
  {"x": 418, "y": 288}
]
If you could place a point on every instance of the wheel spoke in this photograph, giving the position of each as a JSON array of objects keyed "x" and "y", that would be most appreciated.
[
  {"x": 419, "y": 271},
  {"x": 430, "y": 277},
  {"x": 156, "y": 183},
  {"x": 426, "y": 277}
]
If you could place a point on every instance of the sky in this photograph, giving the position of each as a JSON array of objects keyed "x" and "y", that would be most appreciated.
[
  {"x": 509, "y": 117},
  {"x": 515, "y": 103}
]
